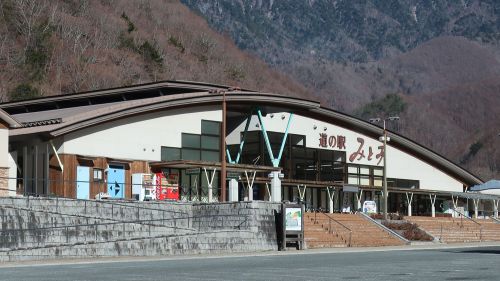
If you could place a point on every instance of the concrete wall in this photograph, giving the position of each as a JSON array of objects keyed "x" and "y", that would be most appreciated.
[
  {"x": 4, "y": 147},
  {"x": 140, "y": 137},
  {"x": 41, "y": 228},
  {"x": 399, "y": 164}
]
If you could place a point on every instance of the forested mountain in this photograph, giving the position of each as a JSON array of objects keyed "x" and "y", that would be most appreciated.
[
  {"x": 434, "y": 63},
  {"x": 51, "y": 47}
]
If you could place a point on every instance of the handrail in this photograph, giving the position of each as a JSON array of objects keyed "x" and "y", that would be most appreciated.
[
  {"x": 96, "y": 224},
  {"x": 127, "y": 222},
  {"x": 467, "y": 217},
  {"x": 392, "y": 232},
  {"x": 119, "y": 204},
  {"x": 87, "y": 216},
  {"x": 495, "y": 219},
  {"x": 341, "y": 224}
]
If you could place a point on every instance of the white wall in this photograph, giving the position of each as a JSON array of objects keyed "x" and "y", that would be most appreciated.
[
  {"x": 404, "y": 166},
  {"x": 4, "y": 148},
  {"x": 139, "y": 137},
  {"x": 400, "y": 164},
  {"x": 12, "y": 173}
]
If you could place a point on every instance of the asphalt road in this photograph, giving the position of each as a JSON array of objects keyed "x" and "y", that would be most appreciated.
[{"x": 438, "y": 264}]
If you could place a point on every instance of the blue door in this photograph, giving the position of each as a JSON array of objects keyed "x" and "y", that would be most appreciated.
[
  {"x": 82, "y": 182},
  {"x": 116, "y": 181}
]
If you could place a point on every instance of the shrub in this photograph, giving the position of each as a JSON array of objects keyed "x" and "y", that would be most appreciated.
[
  {"x": 24, "y": 91},
  {"x": 473, "y": 150},
  {"x": 391, "y": 104},
  {"x": 150, "y": 52},
  {"x": 37, "y": 53},
  {"x": 126, "y": 42},
  {"x": 130, "y": 24},
  {"x": 174, "y": 41},
  {"x": 408, "y": 230}
]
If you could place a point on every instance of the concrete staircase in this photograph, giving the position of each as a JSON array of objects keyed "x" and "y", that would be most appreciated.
[
  {"x": 317, "y": 232},
  {"x": 491, "y": 229},
  {"x": 447, "y": 229},
  {"x": 366, "y": 233},
  {"x": 324, "y": 230}
]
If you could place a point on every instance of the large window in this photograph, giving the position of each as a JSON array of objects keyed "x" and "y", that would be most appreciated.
[
  {"x": 403, "y": 183},
  {"x": 170, "y": 153},
  {"x": 204, "y": 147},
  {"x": 364, "y": 175}
]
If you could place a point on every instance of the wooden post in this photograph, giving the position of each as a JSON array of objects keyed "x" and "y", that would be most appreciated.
[{"x": 223, "y": 150}]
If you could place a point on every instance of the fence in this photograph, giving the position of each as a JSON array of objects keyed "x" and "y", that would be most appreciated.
[{"x": 42, "y": 187}]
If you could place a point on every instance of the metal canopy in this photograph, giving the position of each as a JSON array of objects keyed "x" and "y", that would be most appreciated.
[
  {"x": 183, "y": 164},
  {"x": 474, "y": 195},
  {"x": 492, "y": 184}
]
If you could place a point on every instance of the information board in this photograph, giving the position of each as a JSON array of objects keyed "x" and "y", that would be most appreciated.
[{"x": 293, "y": 219}]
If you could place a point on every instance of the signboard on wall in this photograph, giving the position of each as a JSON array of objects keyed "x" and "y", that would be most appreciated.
[
  {"x": 370, "y": 207},
  {"x": 361, "y": 150},
  {"x": 293, "y": 219},
  {"x": 292, "y": 226}
]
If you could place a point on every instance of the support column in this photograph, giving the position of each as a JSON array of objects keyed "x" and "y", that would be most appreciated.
[
  {"x": 275, "y": 187},
  {"x": 35, "y": 175},
  {"x": 249, "y": 185},
  {"x": 269, "y": 196},
  {"x": 455, "y": 201},
  {"x": 233, "y": 190},
  {"x": 25, "y": 164},
  {"x": 433, "y": 204},
  {"x": 210, "y": 184},
  {"x": 358, "y": 199},
  {"x": 476, "y": 206},
  {"x": 331, "y": 194},
  {"x": 409, "y": 199},
  {"x": 455, "y": 205},
  {"x": 495, "y": 208},
  {"x": 302, "y": 192},
  {"x": 275, "y": 180}
]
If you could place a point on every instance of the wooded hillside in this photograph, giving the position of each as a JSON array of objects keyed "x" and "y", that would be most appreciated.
[{"x": 59, "y": 47}]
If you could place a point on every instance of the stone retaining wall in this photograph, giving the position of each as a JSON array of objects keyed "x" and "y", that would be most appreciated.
[{"x": 184, "y": 228}]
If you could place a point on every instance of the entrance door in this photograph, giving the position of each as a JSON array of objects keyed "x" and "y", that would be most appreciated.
[
  {"x": 116, "y": 181},
  {"x": 82, "y": 182}
]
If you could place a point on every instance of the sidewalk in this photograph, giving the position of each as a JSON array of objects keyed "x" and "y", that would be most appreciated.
[{"x": 93, "y": 260}]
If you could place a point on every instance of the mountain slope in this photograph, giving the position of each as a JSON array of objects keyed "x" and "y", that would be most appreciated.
[
  {"x": 440, "y": 59},
  {"x": 58, "y": 47}
]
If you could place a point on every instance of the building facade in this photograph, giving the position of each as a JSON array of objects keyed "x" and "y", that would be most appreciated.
[{"x": 277, "y": 148}]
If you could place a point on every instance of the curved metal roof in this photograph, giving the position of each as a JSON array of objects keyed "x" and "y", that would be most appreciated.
[{"x": 202, "y": 94}]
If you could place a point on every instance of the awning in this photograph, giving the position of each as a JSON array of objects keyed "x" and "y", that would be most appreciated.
[
  {"x": 475, "y": 195},
  {"x": 492, "y": 184},
  {"x": 187, "y": 164}
]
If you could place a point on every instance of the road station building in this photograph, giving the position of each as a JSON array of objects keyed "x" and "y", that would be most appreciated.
[{"x": 114, "y": 141}]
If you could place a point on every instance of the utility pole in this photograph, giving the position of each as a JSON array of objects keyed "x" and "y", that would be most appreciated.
[
  {"x": 385, "y": 173},
  {"x": 384, "y": 139},
  {"x": 223, "y": 149}
]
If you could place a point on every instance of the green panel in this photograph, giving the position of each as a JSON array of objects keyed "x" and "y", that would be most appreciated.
[
  {"x": 190, "y": 154},
  {"x": 252, "y": 136},
  {"x": 212, "y": 156},
  {"x": 209, "y": 142},
  {"x": 170, "y": 153},
  {"x": 190, "y": 140},
  {"x": 210, "y": 127}
]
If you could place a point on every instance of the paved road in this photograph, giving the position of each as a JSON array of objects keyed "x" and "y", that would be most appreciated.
[{"x": 438, "y": 264}]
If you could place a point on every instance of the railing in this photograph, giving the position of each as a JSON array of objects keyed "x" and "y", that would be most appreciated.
[
  {"x": 495, "y": 219},
  {"x": 383, "y": 227},
  {"x": 330, "y": 228},
  {"x": 470, "y": 219},
  {"x": 5, "y": 233},
  {"x": 42, "y": 187},
  {"x": 87, "y": 202}
]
